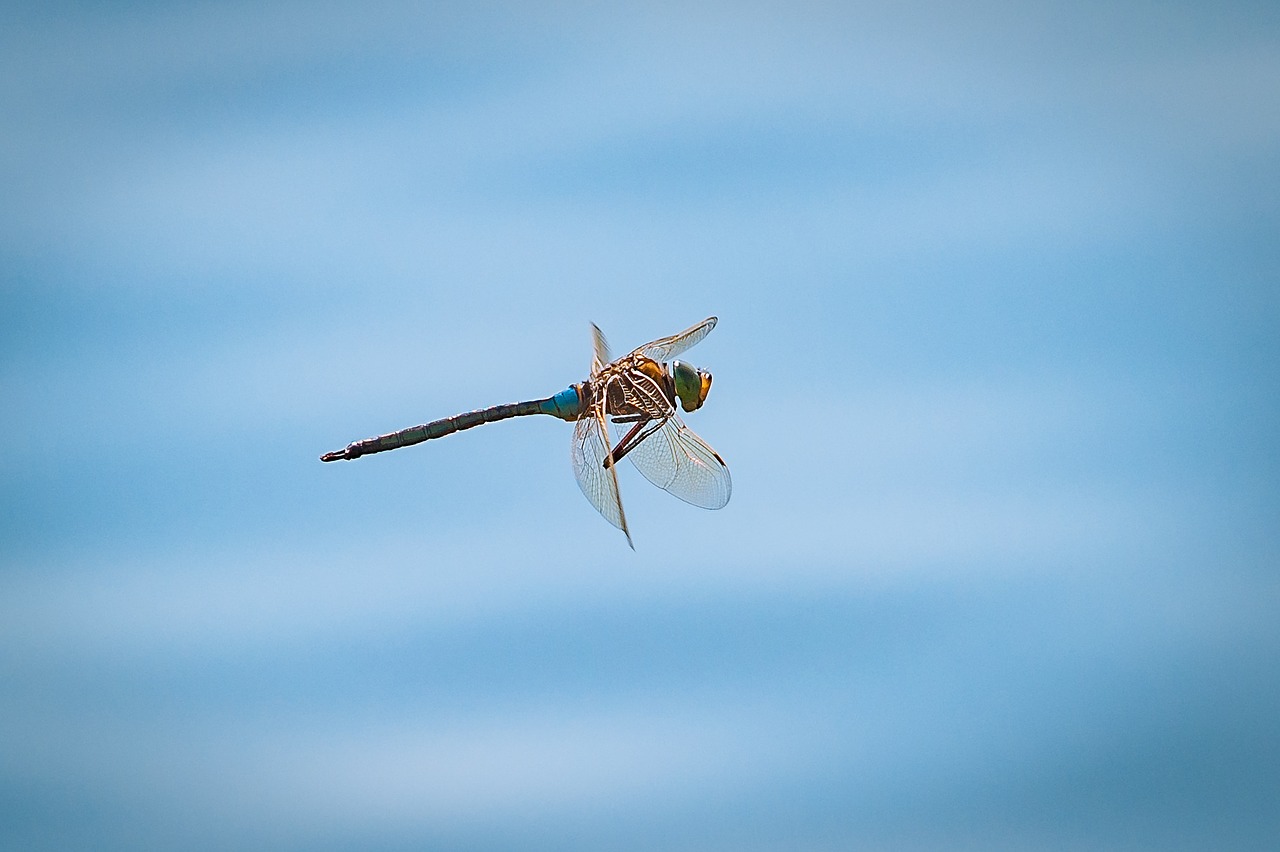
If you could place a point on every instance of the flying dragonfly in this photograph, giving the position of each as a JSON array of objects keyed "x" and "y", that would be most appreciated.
[{"x": 632, "y": 398}]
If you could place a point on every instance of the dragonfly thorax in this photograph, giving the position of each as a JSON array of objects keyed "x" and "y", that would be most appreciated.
[{"x": 637, "y": 387}]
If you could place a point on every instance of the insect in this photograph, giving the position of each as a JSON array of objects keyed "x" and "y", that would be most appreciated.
[{"x": 626, "y": 408}]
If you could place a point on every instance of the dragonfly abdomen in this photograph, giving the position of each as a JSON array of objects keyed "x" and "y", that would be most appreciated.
[{"x": 562, "y": 405}]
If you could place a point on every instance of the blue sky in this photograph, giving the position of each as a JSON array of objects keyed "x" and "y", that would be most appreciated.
[{"x": 996, "y": 376}]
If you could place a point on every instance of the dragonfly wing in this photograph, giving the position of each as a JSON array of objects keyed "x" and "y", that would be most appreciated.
[
  {"x": 666, "y": 348},
  {"x": 598, "y": 483},
  {"x": 676, "y": 460},
  {"x": 601, "y": 349}
]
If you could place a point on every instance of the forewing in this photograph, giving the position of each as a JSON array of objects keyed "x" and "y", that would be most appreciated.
[
  {"x": 601, "y": 349},
  {"x": 598, "y": 483},
  {"x": 666, "y": 348},
  {"x": 676, "y": 460}
]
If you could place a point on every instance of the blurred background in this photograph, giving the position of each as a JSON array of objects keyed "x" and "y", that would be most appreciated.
[{"x": 997, "y": 376}]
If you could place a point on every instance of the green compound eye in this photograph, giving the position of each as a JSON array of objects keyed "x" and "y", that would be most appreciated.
[{"x": 692, "y": 385}]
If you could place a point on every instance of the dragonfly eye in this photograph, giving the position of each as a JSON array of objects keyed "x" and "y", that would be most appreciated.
[
  {"x": 692, "y": 385},
  {"x": 705, "y": 386}
]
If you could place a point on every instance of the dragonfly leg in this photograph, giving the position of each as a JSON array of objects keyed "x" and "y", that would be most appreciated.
[
  {"x": 620, "y": 449},
  {"x": 633, "y": 439}
]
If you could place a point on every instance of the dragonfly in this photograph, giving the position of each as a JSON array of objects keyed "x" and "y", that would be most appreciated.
[{"x": 626, "y": 408}]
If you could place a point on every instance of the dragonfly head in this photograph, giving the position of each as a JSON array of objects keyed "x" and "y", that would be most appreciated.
[{"x": 692, "y": 385}]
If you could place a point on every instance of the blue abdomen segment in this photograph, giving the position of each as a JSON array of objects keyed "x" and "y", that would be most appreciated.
[{"x": 566, "y": 405}]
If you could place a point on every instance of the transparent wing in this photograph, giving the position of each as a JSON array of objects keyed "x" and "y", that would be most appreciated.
[
  {"x": 599, "y": 484},
  {"x": 676, "y": 460},
  {"x": 666, "y": 348},
  {"x": 601, "y": 349}
]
